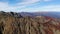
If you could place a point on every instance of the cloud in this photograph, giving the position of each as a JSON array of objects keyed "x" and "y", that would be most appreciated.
[
  {"x": 5, "y": 6},
  {"x": 47, "y": 0},
  {"x": 27, "y": 2},
  {"x": 50, "y": 8},
  {"x": 18, "y": 7}
]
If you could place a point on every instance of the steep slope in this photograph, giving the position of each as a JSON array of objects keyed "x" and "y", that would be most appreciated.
[{"x": 11, "y": 24}]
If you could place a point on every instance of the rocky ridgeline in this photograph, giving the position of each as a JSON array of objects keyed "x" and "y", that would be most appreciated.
[{"x": 14, "y": 23}]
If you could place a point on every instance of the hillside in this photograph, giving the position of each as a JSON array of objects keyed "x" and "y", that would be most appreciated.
[{"x": 14, "y": 23}]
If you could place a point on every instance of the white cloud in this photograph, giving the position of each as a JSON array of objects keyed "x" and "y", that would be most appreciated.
[
  {"x": 47, "y": 0},
  {"x": 55, "y": 8},
  {"x": 6, "y": 7},
  {"x": 27, "y": 2},
  {"x": 50, "y": 8}
]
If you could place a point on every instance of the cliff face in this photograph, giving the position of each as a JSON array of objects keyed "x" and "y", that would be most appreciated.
[{"x": 11, "y": 23}]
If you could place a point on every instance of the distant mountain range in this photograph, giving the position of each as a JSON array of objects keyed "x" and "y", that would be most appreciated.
[
  {"x": 50, "y": 14},
  {"x": 33, "y": 14}
]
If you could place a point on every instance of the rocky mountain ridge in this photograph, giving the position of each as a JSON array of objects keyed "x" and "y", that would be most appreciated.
[{"x": 14, "y": 23}]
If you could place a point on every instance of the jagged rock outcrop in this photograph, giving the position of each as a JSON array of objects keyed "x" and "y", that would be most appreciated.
[
  {"x": 28, "y": 25},
  {"x": 15, "y": 14}
]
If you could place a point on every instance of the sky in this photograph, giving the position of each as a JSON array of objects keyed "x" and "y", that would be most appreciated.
[{"x": 29, "y": 5}]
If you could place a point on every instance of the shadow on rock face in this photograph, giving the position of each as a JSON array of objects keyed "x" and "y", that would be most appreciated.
[{"x": 1, "y": 28}]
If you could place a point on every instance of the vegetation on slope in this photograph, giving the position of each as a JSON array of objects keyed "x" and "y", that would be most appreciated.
[{"x": 14, "y": 23}]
